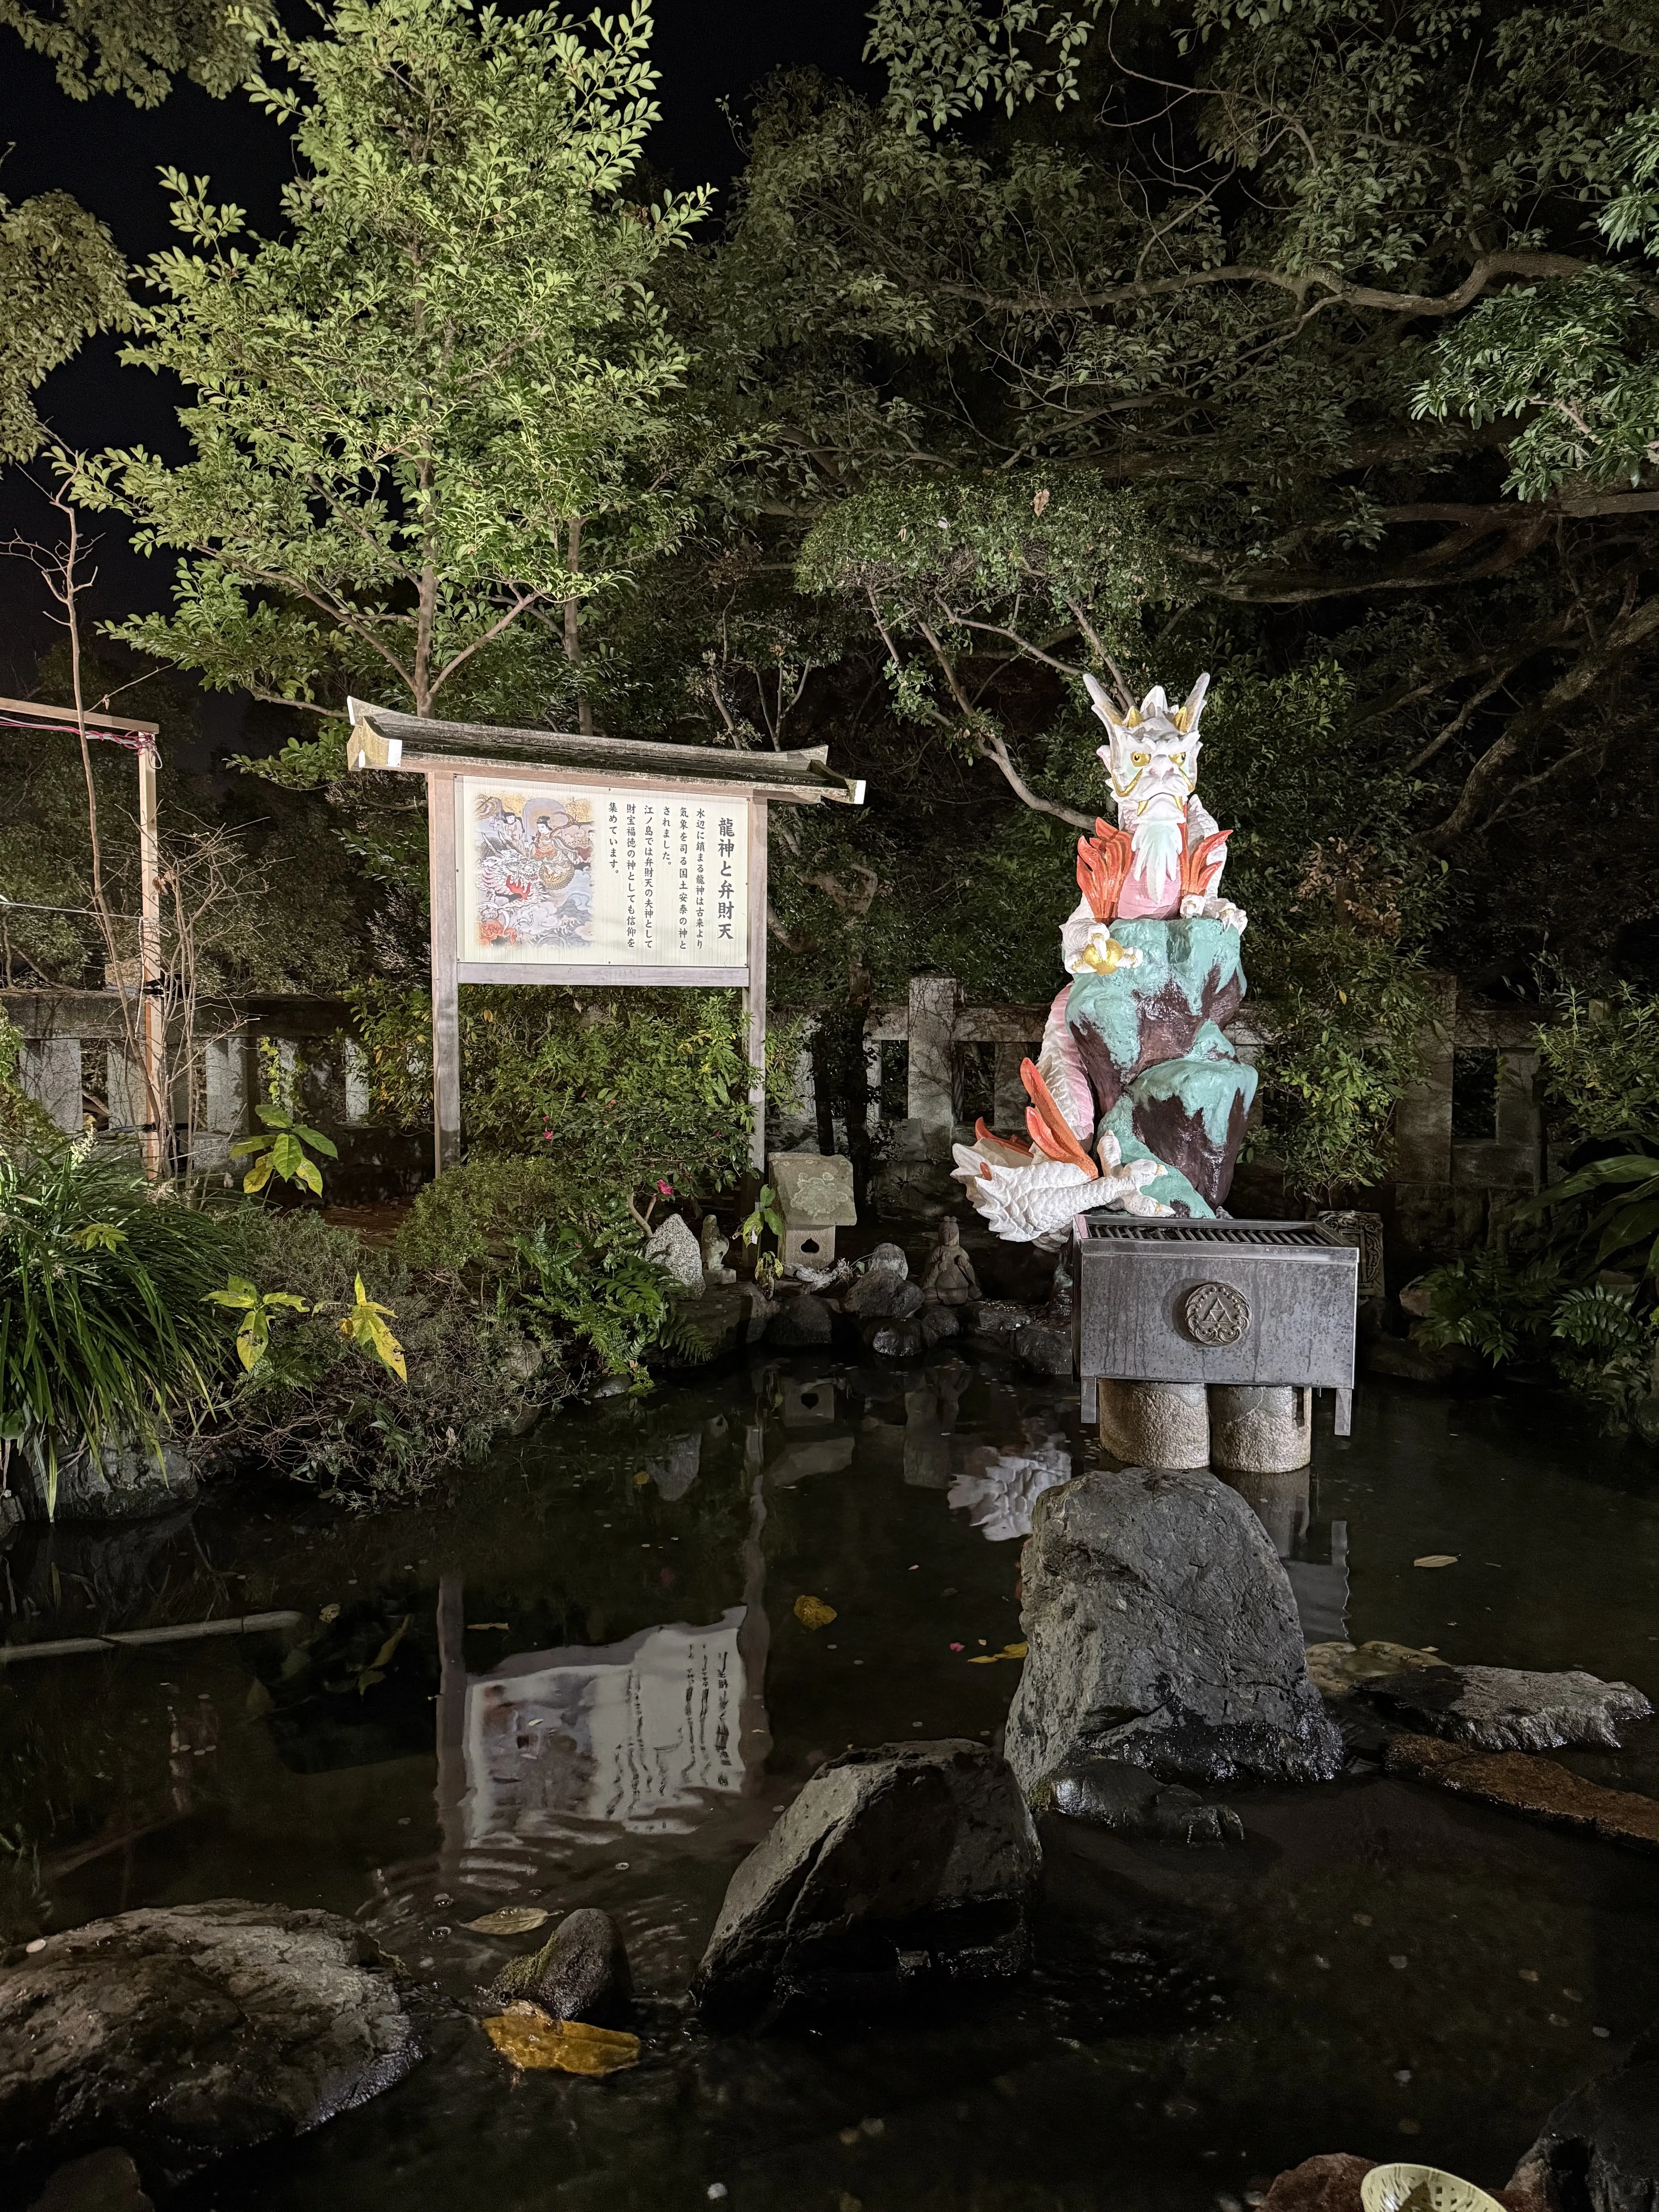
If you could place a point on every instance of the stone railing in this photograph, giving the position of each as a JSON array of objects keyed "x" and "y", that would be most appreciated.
[{"x": 76, "y": 1062}]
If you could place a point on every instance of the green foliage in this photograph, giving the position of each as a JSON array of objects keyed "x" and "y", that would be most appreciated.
[
  {"x": 316, "y": 1409},
  {"x": 1572, "y": 364},
  {"x": 61, "y": 279},
  {"x": 285, "y": 1154},
  {"x": 139, "y": 47},
  {"x": 1600, "y": 1061},
  {"x": 365, "y": 1326},
  {"x": 103, "y": 1331},
  {"x": 1610, "y": 1354},
  {"x": 1500, "y": 1310},
  {"x": 619, "y": 1093},
  {"x": 472, "y": 1216},
  {"x": 1626, "y": 1228},
  {"x": 404, "y": 403},
  {"x": 601, "y": 1287},
  {"x": 257, "y": 1308}
]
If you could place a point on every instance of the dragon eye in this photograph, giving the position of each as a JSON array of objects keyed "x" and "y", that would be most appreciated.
[
  {"x": 1178, "y": 760},
  {"x": 1139, "y": 760}
]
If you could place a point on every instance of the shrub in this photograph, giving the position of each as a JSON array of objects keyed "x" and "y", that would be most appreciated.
[
  {"x": 472, "y": 1215},
  {"x": 105, "y": 1330},
  {"x": 316, "y": 1409},
  {"x": 1600, "y": 1064}
]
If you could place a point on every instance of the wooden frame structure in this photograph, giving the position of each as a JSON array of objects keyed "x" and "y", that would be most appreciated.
[{"x": 444, "y": 752}]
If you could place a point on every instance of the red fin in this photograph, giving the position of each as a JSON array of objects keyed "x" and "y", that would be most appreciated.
[
  {"x": 1017, "y": 1145},
  {"x": 1050, "y": 1131}
]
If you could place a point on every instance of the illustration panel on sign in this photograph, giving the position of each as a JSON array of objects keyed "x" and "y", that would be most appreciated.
[{"x": 532, "y": 861}]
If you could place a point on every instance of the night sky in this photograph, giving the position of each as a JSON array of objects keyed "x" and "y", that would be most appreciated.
[{"x": 106, "y": 154}]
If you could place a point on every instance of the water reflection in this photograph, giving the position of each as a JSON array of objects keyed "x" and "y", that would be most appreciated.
[{"x": 1283, "y": 1504}]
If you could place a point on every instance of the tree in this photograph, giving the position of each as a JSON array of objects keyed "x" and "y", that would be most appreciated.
[{"x": 430, "y": 416}]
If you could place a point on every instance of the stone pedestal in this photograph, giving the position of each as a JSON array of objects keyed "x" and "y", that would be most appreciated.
[
  {"x": 1259, "y": 1429},
  {"x": 1155, "y": 1424}
]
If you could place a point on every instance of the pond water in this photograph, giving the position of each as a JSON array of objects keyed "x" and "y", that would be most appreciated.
[{"x": 581, "y": 1681}]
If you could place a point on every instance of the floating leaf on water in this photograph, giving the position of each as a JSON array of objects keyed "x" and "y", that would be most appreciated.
[
  {"x": 329, "y": 1613},
  {"x": 813, "y": 1613},
  {"x": 1436, "y": 1559},
  {"x": 259, "y": 1700},
  {"x": 511, "y": 1920},
  {"x": 528, "y": 2038},
  {"x": 642, "y": 1478},
  {"x": 990, "y": 1658},
  {"x": 478, "y": 1627}
]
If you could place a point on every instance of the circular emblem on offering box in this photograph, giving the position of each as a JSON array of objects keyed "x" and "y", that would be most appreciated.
[{"x": 1215, "y": 1313}]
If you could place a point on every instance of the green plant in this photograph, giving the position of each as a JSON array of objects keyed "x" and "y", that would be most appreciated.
[
  {"x": 256, "y": 1308},
  {"x": 1626, "y": 1227},
  {"x": 1617, "y": 1342},
  {"x": 316, "y": 1410},
  {"x": 24, "y": 1124},
  {"x": 472, "y": 1215},
  {"x": 603, "y": 1289},
  {"x": 284, "y": 1155},
  {"x": 365, "y": 1326},
  {"x": 1600, "y": 1061},
  {"x": 103, "y": 1331},
  {"x": 1484, "y": 1301},
  {"x": 766, "y": 1214}
]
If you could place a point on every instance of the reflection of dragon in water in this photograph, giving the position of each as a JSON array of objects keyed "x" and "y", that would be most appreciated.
[{"x": 1138, "y": 1102}]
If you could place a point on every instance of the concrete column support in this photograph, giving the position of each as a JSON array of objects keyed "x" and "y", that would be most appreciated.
[
  {"x": 934, "y": 1000},
  {"x": 52, "y": 1076},
  {"x": 1259, "y": 1429},
  {"x": 1155, "y": 1424}
]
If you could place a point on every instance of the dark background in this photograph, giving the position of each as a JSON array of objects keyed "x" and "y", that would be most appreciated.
[{"x": 712, "y": 54}]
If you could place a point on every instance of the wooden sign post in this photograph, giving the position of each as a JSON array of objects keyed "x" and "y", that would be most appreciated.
[{"x": 567, "y": 860}]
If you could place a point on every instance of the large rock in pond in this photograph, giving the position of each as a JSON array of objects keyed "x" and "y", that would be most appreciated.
[
  {"x": 185, "y": 2032},
  {"x": 895, "y": 1868},
  {"x": 1162, "y": 1631},
  {"x": 1598, "y": 2152},
  {"x": 1508, "y": 1708}
]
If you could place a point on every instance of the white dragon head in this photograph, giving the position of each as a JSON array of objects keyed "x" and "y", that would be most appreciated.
[{"x": 1152, "y": 758}]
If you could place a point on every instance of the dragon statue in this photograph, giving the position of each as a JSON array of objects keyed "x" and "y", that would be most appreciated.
[{"x": 1139, "y": 1101}]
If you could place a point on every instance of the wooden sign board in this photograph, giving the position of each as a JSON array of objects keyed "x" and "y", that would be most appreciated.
[{"x": 571, "y": 859}]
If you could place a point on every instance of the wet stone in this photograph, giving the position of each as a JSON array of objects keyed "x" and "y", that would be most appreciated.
[
  {"x": 1508, "y": 1708},
  {"x": 896, "y": 1869},
  {"x": 1522, "y": 1782},
  {"x": 937, "y": 1324},
  {"x": 895, "y": 1340},
  {"x": 1329, "y": 2183},
  {"x": 674, "y": 1248},
  {"x": 187, "y": 2032},
  {"x": 1132, "y": 1803},
  {"x": 103, "y": 2181},
  {"x": 800, "y": 1324},
  {"x": 882, "y": 1293},
  {"x": 1163, "y": 1632},
  {"x": 1044, "y": 1347},
  {"x": 1598, "y": 2150},
  {"x": 580, "y": 1973}
]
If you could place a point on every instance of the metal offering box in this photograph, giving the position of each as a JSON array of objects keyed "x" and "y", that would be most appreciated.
[{"x": 1250, "y": 1302}]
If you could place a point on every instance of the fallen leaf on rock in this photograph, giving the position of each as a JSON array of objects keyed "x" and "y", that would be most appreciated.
[
  {"x": 511, "y": 1920},
  {"x": 528, "y": 2038},
  {"x": 813, "y": 1613},
  {"x": 1436, "y": 1559}
]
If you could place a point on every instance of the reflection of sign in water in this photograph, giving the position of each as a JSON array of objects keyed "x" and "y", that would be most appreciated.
[
  {"x": 632, "y": 1734},
  {"x": 628, "y": 878}
]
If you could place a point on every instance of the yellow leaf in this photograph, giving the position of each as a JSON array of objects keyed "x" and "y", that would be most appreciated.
[
  {"x": 526, "y": 2036},
  {"x": 990, "y": 1658},
  {"x": 1436, "y": 1559},
  {"x": 1014, "y": 1650},
  {"x": 813, "y": 1613},
  {"x": 641, "y": 1478},
  {"x": 511, "y": 1920}
]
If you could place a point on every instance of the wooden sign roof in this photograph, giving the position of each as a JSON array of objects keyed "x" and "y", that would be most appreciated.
[{"x": 383, "y": 739}]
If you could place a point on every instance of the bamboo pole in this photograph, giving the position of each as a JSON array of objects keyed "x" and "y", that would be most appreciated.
[{"x": 186, "y": 1632}]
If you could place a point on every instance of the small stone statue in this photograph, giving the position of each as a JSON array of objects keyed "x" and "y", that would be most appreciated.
[
  {"x": 714, "y": 1247},
  {"x": 949, "y": 1279}
]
